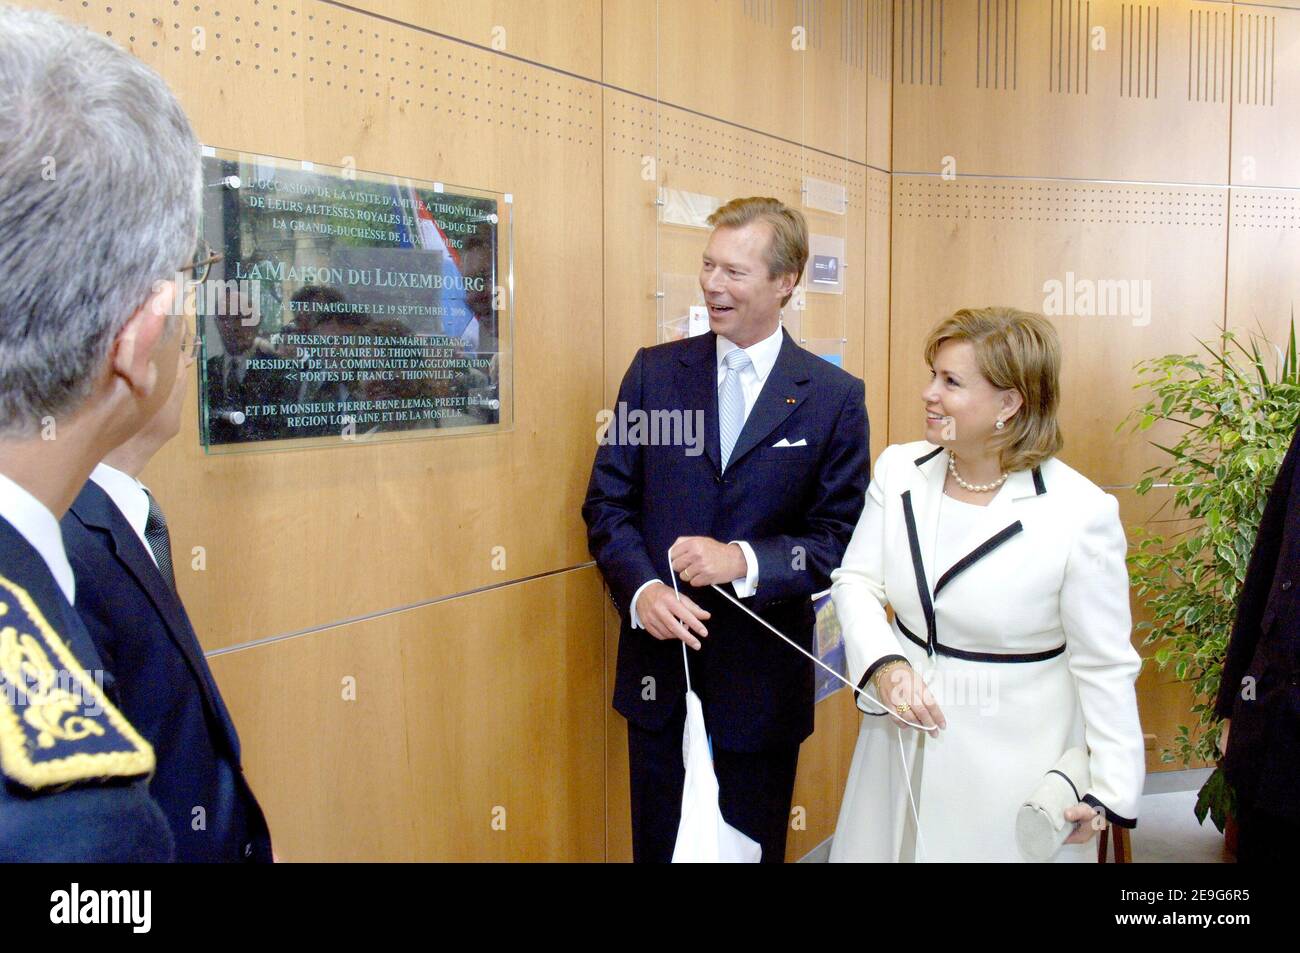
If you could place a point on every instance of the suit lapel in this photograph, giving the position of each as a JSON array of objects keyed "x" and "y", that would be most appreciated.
[
  {"x": 697, "y": 382},
  {"x": 98, "y": 512},
  {"x": 782, "y": 393}
]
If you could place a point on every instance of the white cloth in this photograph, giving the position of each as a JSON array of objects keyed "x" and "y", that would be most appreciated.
[
  {"x": 1061, "y": 579},
  {"x": 36, "y": 524},
  {"x": 703, "y": 836},
  {"x": 128, "y": 495},
  {"x": 762, "y": 358}
]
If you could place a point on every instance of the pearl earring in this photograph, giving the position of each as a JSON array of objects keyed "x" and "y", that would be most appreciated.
[{"x": 1000, "y": 424}]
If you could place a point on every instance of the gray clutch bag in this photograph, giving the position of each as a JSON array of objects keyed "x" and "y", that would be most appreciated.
[{"x": 1041, "y": 827}]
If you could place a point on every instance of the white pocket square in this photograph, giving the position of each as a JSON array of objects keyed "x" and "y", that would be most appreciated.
[{"x": 783, "y": 442}]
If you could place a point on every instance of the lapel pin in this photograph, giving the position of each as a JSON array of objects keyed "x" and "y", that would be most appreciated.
[{"x": 790, "y": 400}]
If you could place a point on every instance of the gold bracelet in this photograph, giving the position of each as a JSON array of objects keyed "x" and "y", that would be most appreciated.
[{"x": 884, "y": 670}]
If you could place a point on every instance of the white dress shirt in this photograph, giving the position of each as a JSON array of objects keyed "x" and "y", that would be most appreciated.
[
  {"x": 128, "y": 495},
  {"x": 762, "y": 358},
  {"x": 37, "y": 525}
]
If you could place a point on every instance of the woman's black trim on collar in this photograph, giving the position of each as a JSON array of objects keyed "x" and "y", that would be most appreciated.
[
  {"x": 918, "y": 569},
  {"x": 978, "y": 553},
  {"x": 1039, "y": 486},
  {"x": 929, "y": 456}
]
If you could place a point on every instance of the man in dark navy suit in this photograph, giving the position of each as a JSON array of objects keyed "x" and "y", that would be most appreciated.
[
  {"x": 99, "y": 206},
  {"x": 1260, "y": 690},
  {"x": 757, "y": 488},
  {"x": 120, "y": 552}
]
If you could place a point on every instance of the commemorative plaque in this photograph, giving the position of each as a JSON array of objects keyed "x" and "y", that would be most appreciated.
[{"x": 337, "y": 305}]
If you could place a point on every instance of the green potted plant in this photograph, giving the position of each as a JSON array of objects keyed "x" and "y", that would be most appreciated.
[{"x": 1233, "y": 410}]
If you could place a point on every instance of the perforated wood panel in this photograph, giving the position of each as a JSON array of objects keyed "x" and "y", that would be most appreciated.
[
  {"x": 1136, "y": 271},
  {"x": 1087, "y": 89},
  {"x": 560, "y": 33},
  {"x": 1263, "y": 249}
]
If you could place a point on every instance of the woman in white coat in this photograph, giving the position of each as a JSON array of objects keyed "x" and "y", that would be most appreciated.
[{"x": 1011, "y": 632}]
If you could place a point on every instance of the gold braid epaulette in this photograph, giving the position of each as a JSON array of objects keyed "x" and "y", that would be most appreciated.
[{"x": 56, "y": 725}]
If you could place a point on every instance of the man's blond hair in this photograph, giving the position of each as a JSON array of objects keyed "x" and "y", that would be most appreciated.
[{"x": 787, "y": 252}]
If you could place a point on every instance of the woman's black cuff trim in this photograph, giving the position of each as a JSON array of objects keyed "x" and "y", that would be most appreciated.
[
  {"x": 875, "y": 666},
  {"x": 862, "y": 685},
  {"x": 1111, "y": 816}
]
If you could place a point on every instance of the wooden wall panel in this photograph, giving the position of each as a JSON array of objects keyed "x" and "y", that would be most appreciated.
[
  {"x": 560, "y": 33},
  {"x": 630, "y": 188},
  {"x": 880, "y": 86},
  {"x": 1266, "y": 96},
  {"x": 823, "y": 771},
  {"x": 739, "y": 61},
  {"x": 629, "y": 32},
  {"x": 484, "y": 702},
  {"x": 1017, "y": 90},
  {"x": 280, "y": 529},
  {"x": 876, "y": 369},
  {"x": 1263, "y": 252},
  {"x": 726, "y": 58},
  {"x": 833, "y": 67},
  {"x": 1001, "y": 242},
  {"x": 618, "y": 807},
  {"x": 1164, "y": 702},
  {"x": 1283, "y": 4}
]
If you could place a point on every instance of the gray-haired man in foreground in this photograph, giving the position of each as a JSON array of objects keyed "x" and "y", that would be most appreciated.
[{"x": 99, "y": 204}]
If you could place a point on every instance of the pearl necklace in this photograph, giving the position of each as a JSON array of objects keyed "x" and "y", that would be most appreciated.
[{"x": 972, "y": 487}]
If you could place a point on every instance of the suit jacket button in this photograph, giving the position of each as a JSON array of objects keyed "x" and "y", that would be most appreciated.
[{"x": 1286, "y": 585}]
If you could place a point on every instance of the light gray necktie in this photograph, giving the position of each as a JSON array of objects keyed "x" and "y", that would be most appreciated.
[{"x": 731, "y": 403}]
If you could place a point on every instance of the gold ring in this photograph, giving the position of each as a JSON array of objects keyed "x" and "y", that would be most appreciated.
[
  {"x": 686, "y": 576},
  {"x": 903, "y": 709}
]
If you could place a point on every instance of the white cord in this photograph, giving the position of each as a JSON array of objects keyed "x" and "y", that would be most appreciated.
[
  {"x": 907, "y": 779},
  {"x": 907, "y": 774}
]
